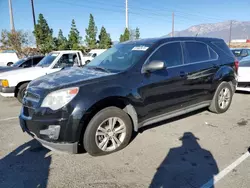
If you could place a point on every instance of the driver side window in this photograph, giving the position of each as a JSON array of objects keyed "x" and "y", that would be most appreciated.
[
  {"x": 170, "y": 53},
  {"x": 66, "y": 60}
]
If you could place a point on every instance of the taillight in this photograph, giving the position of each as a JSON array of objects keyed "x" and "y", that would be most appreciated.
[{"x": 236, "y": 64}]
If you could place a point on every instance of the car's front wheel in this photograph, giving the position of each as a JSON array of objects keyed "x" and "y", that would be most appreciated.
[
  {"x": 108, "y": 131},
  {"x": 222, "y": 98}
]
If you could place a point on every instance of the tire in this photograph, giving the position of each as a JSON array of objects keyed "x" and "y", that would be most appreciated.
[
  {"x": 91, "y": 139},
  {"x": 21, "y": 92},
  {"x": 9, "y": 64},
  {"x": 216, "y": 105}
]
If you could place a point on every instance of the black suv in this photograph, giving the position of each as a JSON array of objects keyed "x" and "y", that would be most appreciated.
[{"x": 131, "y": 85}]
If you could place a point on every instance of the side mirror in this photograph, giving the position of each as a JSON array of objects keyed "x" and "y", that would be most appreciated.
[{"x": 153, "y": 66}]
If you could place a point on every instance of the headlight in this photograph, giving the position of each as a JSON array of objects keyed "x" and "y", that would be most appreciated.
[
  {"x": 58, "y": 99},
  {"x": 4, "y": 83}
]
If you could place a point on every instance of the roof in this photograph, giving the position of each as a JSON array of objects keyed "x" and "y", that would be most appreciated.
[
  {"x": 166, "y": 39},
  {"x": 66, "y": 51}
]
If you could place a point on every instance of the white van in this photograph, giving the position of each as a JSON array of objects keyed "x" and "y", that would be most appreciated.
[
  {"x": 8, "y": 58},
  {"x": 92, "y": 54}
]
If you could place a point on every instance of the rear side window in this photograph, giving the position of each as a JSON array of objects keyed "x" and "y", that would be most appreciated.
[
  {"x": 170, "y": 53},
  {"x": 223, "y": 47},
  {"x": 196, "y": 52}
]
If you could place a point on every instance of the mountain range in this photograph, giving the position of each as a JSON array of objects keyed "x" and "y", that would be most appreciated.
[{"x": 240, "y": 30}]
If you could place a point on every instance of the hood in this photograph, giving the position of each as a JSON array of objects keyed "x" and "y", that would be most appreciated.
[
  {"x": 67, "y": 77},
  {"x": 23, "y": 72},
  {"x": 6, "y": 68}
]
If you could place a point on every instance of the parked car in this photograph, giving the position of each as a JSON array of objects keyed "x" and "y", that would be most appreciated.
[
  {"x": 244, "y": 75},
  {"x": 92, "y": 54},
  {"x": 13, "y": 83},
  {"x": 132, "y": 85},
  {"x": 8, "y": 58},
  {"x": 241, "y": 52},
  {"x": 23, "y": 63}
]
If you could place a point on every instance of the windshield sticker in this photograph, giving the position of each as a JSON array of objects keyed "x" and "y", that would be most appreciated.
[{"x": 140, "y": 48}]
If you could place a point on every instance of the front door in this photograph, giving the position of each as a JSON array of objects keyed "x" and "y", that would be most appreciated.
[{"x": 162, "y": 90}]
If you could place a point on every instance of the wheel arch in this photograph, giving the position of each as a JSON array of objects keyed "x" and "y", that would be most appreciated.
[
  {"x": 18, "y": 85},
  {"x": 224, "y": 74},
  {"x": 117, "y": 101}
]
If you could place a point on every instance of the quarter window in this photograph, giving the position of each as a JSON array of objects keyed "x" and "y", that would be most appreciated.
[
  {"x": 170, "y": 53},
  {"x": 213, "y": 54}
]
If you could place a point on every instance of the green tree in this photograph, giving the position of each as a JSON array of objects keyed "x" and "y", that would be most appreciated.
[
  {"x": 104, "y": 39},
  {"x": 74, "y": 37},
  {"x": 15, "y": 40},
  {"x": 91, "y": 32},
  {"x": 125, "y": 36},
  {"x": 121, "y": 38},
  {"x": 137, "y": 33},
  {"x": 62, "y": 43},
  {"x": 44, "y": 35}
]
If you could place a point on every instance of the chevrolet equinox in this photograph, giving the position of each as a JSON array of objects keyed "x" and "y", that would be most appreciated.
[{"x": 129, "y": 86}]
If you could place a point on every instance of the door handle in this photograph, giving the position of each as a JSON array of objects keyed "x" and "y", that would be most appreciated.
[{"x": 183, "y": 74}]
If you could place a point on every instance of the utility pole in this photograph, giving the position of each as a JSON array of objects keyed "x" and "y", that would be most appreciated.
[
  {"x": 126, "y": 2},
  {"x": 33, "y": 13},
  {"x": 230, "y": 33},
  {"x": 173, "y": 24},
  {"x": 11, "y": 17}
]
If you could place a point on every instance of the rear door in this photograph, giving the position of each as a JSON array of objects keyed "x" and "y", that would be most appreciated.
[{"x": 201, "y": 64}]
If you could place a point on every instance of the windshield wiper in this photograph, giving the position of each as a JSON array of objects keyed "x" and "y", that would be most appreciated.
[{"x": 98, "y": 68}]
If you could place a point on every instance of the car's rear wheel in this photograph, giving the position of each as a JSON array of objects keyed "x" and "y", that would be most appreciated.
[
  {"x": 108, "y": 131},
  {"x": 21, "y": 92},
  {"x": 222, "y": 98}
]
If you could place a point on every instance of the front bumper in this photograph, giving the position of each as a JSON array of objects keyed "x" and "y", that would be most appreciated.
[
  {"x": 32, "y": 128},
  {"x": 7, "y": 91}
]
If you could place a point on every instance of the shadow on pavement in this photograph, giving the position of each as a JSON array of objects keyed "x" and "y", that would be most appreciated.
[
  {"x": 186, "y": 166},
  {"x": 26, "y": 166}
]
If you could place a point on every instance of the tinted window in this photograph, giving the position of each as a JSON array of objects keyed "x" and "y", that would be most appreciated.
[
  {"x": 36, "y": 60},
  {"x": 245, "y": 62},
  {"x": 27, "y": 63},
  {"x": 223, "y": 47},
  {"x": 19, "y": 63},
  {"x": 196, "y": 52},
  {"x": 237, "y": 53},
  {"x": 65, "y": 60},
  {"x": 171, "y": 54},
  {"x": 248, "y": 52},
  {"x": 213, "y": 54}
]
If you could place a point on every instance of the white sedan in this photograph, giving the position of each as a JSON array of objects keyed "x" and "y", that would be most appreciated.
[{"x": 244, "y": 75}]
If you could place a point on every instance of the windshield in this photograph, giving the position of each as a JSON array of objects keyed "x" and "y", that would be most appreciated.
[
  {"x": 18, "y": 63},
  {"x": 237, "y": 53},
  {"x": 120, "y": 57},
  {"x": 47, "y": 60}
]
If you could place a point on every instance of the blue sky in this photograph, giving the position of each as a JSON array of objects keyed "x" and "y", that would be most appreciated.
[{"x": 152, "y": 17}]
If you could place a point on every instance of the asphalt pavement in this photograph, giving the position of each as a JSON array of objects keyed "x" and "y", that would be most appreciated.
[{"x": 194, "y": 150}]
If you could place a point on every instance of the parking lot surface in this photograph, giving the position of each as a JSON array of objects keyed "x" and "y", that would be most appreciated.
[{"x": 185, "y": 152}]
